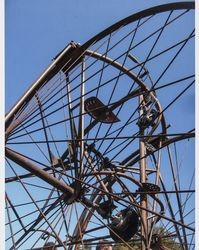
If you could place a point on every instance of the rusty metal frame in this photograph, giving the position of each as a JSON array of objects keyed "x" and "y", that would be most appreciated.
[{"x": 67, "y": 59}]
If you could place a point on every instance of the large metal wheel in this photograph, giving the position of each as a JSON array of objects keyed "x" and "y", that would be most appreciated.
[{"x": 101, "y": 146}]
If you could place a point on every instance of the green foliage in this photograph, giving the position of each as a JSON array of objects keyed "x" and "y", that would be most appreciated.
[
  {"x": 121, "y": 246},
  {"x": 87, "y": 247},
  {"x": 167, "y": 241}
]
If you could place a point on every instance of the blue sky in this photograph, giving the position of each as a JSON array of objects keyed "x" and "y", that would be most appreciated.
[{"x": 35, "y": 31}]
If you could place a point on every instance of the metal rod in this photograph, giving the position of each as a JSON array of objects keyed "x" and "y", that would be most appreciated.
[
  {"x": 81, "y": 118},
  {"x": 102, "y": 184},
  {"x": 10, "y": 224},
  {"x": 29, "y": 166},
  {"x": 15, "y": 212},
  {"x": 73, "y": 130},
  {"x": 44, "y": 127},
  {"x": 168, "y": 202},
  {"x": 143, "y": 201},
  {"x": 177, "y": 197},
  {"x": 189, "y": 134}
]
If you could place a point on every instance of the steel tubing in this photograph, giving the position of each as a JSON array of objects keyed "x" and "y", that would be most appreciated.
[{"x": 29, "y": 166}]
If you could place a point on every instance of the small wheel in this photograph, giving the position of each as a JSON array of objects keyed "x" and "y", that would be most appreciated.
[{"x": 124, "y": 225}]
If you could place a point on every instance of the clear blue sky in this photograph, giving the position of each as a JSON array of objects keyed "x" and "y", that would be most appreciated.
[{"x": 35, "y": 31}]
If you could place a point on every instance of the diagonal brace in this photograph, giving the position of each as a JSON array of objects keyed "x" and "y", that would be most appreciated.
[{"x": 29, "y": 166}]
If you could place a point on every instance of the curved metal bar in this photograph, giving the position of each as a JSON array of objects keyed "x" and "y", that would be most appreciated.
[
  {"x": 124, "y": 70},
  {"x": 60, "y": 59},
  {"x": 138, "y": 15},
  {"x": 143, "y": 88},
  {"x": 79, "y": 52}
]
